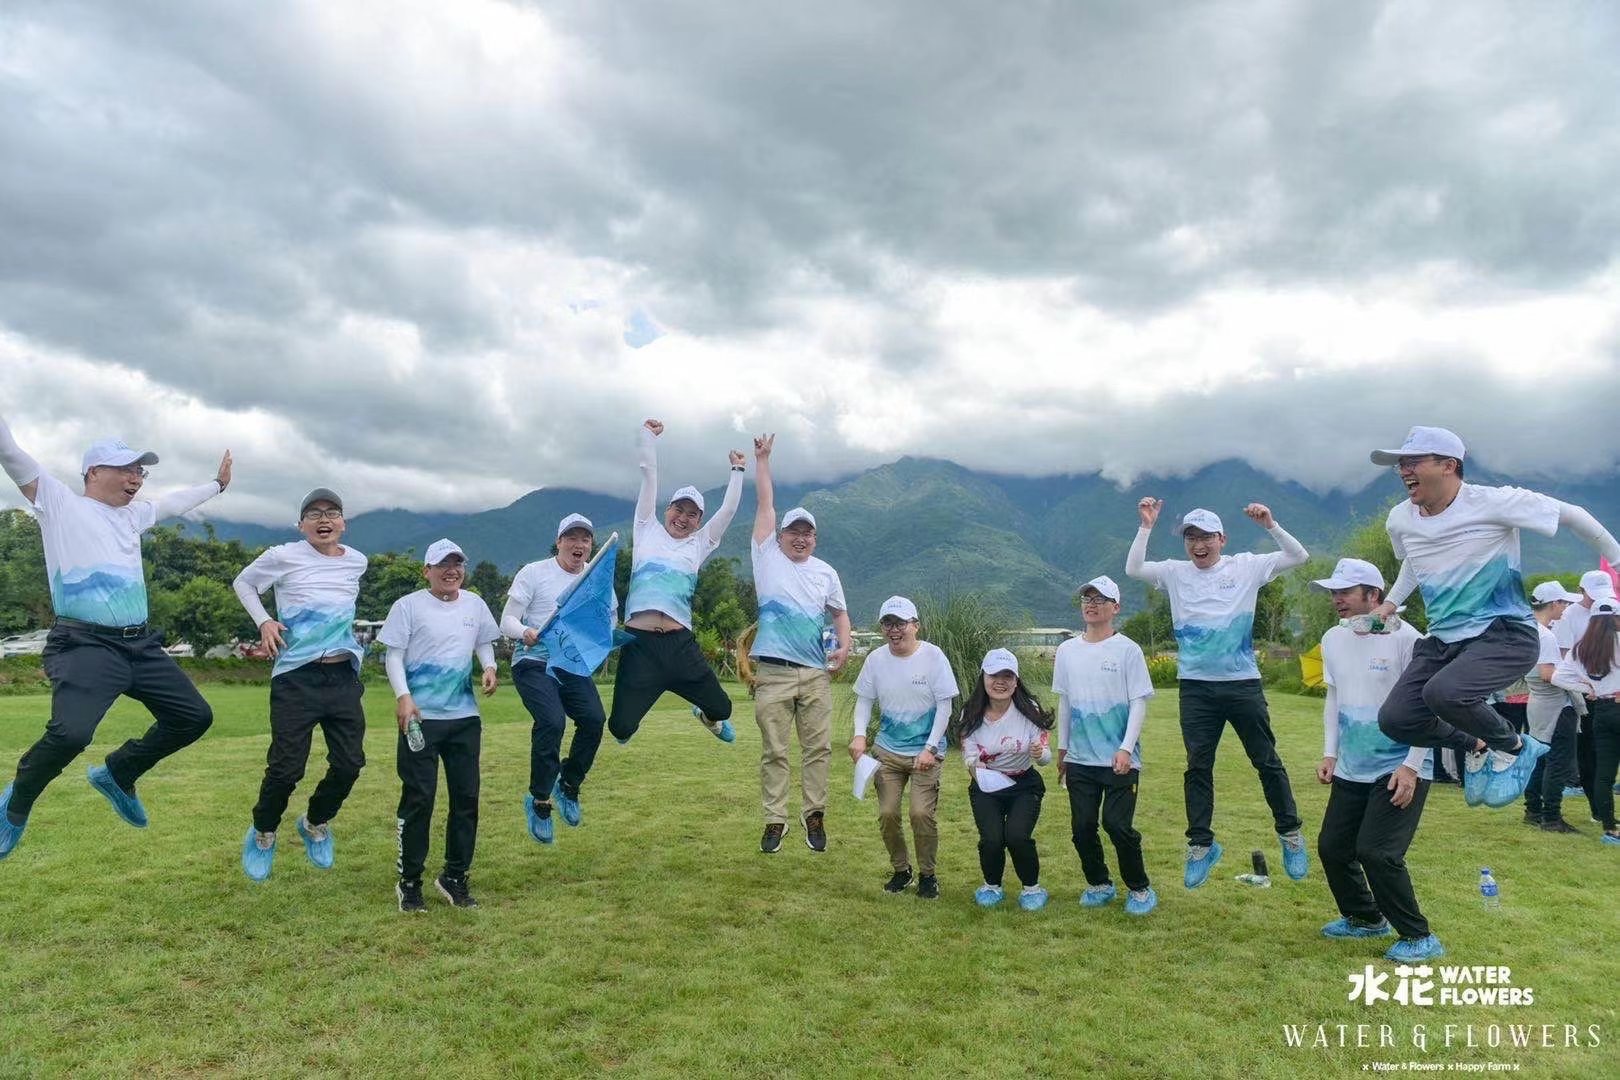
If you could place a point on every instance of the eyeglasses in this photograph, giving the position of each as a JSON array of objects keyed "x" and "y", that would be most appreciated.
[
  {"x": 127, "y": 470},
  {"x": 322, "y": 515},
  {"x": 1095, "y": 600},
  {"x": 1192, "y": 536}
]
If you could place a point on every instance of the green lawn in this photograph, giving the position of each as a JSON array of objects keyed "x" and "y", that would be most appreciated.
[{"x": 657, "y": 941}]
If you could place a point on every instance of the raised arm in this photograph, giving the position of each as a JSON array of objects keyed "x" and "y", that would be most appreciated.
[
  {"x": 1293, "y": 553},
  {"x": 1136, "y": 565},
  {"x": 717, "y": 525},
  {"x": 1585, "y": 526},
  {"x": 23, "y": 470},
  {"x": 764, "y": 489},
  {"x": 176, "y": 503},
  {"x": 647, "y": 457}
]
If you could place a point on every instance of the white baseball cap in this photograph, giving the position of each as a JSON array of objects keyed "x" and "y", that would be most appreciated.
[
  {"x": 798, "y": 513},
  {"x": 998, "y": 660},
  {"x": 440, "y": 550},
  {"x": 117, "y": 453},
  {"x": 1606, "y": 606},
  {"x": 1203, "y": 520},
  {"x": 1348, "y": 573},
  {"x": 575, "y": 521},
  {"x": 1597, "y": 583},
  {"x": 1420, "y": 441},
  {"x": 1103, "y": 584},
  {"x": 1549, "y": 591},
  {"x": 899, "y": 607},
  {"x": 688, "y": 492}
]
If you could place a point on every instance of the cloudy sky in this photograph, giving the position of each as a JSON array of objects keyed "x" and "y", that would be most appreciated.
[{"x": 437, "y": 255}]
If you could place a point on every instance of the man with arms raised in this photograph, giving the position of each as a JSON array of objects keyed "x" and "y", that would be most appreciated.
[
  {"x": 796, "y": 591},
  {"x": 101, "y": 647},
  {"x": 1212, "y": 599},
  {"x": 1459, "y": 543},
  {"x": 315, "y": 681}
]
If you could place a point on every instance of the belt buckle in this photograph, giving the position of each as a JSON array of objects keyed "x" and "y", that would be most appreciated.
[{"x": 128, "y": 632}]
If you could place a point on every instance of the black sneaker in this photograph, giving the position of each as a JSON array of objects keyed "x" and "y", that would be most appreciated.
[
  {"x": 1532, "y": 820},
  {"x": 771, "y": 842},
  {"x": 454, "y": 889},
  {"x": 409, "y": 894},
  {"x": 815, "y": 832},
  {"x": 898, "y": 883},
  {"x": 1559, "y": 825},
  {"x": 928, "y": 887}
]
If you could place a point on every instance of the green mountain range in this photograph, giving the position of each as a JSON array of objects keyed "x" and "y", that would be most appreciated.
[{"x": 922, "y": 525}]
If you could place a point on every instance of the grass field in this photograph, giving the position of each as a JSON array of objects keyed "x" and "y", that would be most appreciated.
[{"x": 656, "y": 941}]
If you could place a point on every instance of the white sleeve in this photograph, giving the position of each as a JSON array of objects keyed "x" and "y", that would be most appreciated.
[
  {"x": 1585, "y": 526},
  {"x": 394, "y": 664},
  {"x": 1293, "y": 553},
  {"x": 1549, "y": 648},
  {"x": 942, "y": 720},
  {"x": 1405, "y": 583},
  {"x": 1136, "y": 565},
  {"x": 1133, "y": 726},
  {"x": 184, "y": 501},
  {"x": 255, "y": 577},
  {"x": 22, "y": 469},
  {"x": 647, "y": 455},
  {"x": 1569, "y": 675},
  {"x": 486, "y": 654},
  {"x": 512, "y": 618},
  {"x": 1330, "y": 723},
  {"x": 863, "y": 716},
  {"x": 970, "y": 751},
  {"x": 1063, "y": 721},
  {"x": 1414, "y": 759},
  {"x": 716, "y": 528}
]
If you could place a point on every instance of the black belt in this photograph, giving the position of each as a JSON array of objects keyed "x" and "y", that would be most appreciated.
[
  {"x": 777, "y": 661},
  {"x": 126, "y": 632}
]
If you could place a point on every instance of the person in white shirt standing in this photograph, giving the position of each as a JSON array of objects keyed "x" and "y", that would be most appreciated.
[
  {"x": 432, "y": 636},
  {"x": 793, "y": 690},
  {"x": 101, "y": 647},
  {"x": 1102, "y": 684},
  {"x": 315, "y": 681},
  {"x": 550, "y": 694},
  {"x": 665, "y": 558},
  {"x": 1004, "y": 734},
  {"x": 1212, "y": 598},
  {"x": 1550, "y": 713},
  {"x": 1595, "y": 585},
  {"x": 911, "y": 685},
  {"x": 1459, "y": 543},
  {"x": 1592, "y": 669},
  {"x": 1378, "y": 786}
]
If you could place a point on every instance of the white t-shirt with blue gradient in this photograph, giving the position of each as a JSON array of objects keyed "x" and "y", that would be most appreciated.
[
  {"x": 664, "y": 570},
  {"x": 537, "y": 587},
  {"x": 794, "y": 598},
  {"x": 1363, "y": 669},
  {"x": 1213, "y": 612},
  {"x": 908, "y": 690},
  {"x": 1100, "y": 679},
  {"x": 93, "y": 554},
  {"x": 439, "y": 638},
  {"x": 315, "y": 598},
  {"x": 1466, "y": 558}
]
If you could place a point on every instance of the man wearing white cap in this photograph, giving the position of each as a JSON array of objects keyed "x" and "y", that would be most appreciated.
[
  {"x": 100, "y": 647},
  {"x": 552, "y": 696},
  {"x": 1102, "y": 684},
  {"x": 1212, "y": 598},
  {"x": 1459, "y": 543},
  {"x": 1378, "y": 786},
  {"x": 432, "y": 636},
  {"x": 798, "y": 593},
  {"x": 665, "y": 558},
  {"x": 1550, "y": 716},
  {"x": 1595, "y": 585},
  {"x": 911, "y": 684},
  {"x": 315, "y": 681}
]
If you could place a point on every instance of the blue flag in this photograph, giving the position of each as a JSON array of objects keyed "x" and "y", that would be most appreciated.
[{"x": 580, "y": 635}]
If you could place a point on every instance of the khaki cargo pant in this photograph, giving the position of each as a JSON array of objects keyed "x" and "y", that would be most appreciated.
[
  {"x": 786, "y": 698},
  {"x": 891, "y": 779}
]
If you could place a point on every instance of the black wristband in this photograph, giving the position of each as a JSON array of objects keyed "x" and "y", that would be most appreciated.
[{"x": 739, "y": 468}]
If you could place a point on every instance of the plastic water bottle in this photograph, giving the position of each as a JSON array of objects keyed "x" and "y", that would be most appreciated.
[
  {"x": 1261, "y": 876},
  {"x": 413, "y": 735},
  {"x": 1489, "y": 894},
  {"x": 829, "y": 643}
]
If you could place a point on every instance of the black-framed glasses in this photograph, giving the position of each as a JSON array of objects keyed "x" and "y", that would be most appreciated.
[
  {"x": 322, "y": 515},
  {"x": 1095, "y": 600},
  {"x": 128, "y": 470}
]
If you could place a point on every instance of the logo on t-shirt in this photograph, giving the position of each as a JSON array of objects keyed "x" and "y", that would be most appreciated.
[
  {"x": 468, "y": 622},
  {"x": 1110, "y": 666},
  {"x": 1379, "y": 664},
  {"x": 1226, "y": 584},
  {"x": 919, "y": 680}
]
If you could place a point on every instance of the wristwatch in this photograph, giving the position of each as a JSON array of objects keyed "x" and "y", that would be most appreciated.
[{"x": 936, "y": 751}]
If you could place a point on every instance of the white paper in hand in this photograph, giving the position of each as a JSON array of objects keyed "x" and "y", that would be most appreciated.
[
  {"x": 990, "y": 780},
  {"x": 865, "y": 767}
]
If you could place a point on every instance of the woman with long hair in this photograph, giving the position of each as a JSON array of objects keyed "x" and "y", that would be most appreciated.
[
  {"x": 1592, "y": 669},
  {"x": 1004, "y": 734}
]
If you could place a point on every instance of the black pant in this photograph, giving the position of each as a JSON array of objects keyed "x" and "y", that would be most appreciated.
[
  {"x": 1206, "y": 708},
  {"x": 1544, "y": 796},
  {"x": 1586, "y": 755},
  {"x": 90, "y": 670},
  {"x": 551, "y": 701},
  {"x": 1516, "y": 713},
  {"x": 456, "y": 743},
  {"x": 1097, "y": 787},
  {"x": 655, "y": 662},
  {"x": 1363, "y": 843},
  {"x": 1006, "y": 821},
  {"x": 312, "y": 695},
  {"x": 1439, "y": 700},
  {"x": 1606, "y": 757}
]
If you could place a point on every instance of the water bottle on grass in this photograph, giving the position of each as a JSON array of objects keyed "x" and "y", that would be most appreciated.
[{"x": 1489, "y": 894}]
